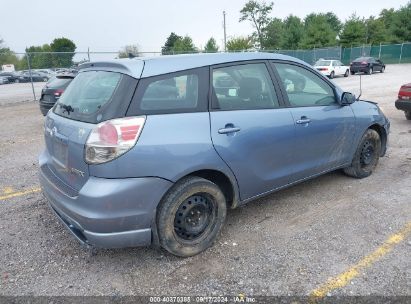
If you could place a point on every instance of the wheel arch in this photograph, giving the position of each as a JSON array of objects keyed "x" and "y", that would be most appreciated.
[{"x": 383, "y": 135}]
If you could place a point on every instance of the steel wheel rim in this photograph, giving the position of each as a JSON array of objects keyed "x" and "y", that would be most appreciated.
[
  {"x": 367, "y": 153},
  {"x": 194, "y": 217}
]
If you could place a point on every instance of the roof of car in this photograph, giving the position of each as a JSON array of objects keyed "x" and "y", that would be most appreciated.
[{"x": 142, "y": 67}]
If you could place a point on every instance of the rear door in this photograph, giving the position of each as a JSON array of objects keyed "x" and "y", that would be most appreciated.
[
  {"x": 324, "y": 129},
  {"x": 250, "y": 130}
]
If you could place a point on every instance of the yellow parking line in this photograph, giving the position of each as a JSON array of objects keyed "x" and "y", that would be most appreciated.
[
  {"x": 344, "y": 278},
  {"x": 21, "y": 193}
]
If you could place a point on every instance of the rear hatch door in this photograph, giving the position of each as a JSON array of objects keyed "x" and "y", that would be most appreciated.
[{"x": 92, "y": 97}]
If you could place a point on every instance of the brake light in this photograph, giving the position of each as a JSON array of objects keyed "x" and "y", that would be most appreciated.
[
  {"x": 58, "y": 92},
  {"x": 112, "y": 138}
]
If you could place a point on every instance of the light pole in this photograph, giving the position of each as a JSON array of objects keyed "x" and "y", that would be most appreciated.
[{"x": 225, "y": 33}]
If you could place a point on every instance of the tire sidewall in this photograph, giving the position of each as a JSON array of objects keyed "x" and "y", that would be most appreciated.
[
  {"x": 364, "y": 171},
  {"x": 169, "y": 206}
]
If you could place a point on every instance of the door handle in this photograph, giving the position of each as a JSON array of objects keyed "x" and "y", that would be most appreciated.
[
  {"x": 303, "y": 121},
  {"x": 229, "y": 128}
]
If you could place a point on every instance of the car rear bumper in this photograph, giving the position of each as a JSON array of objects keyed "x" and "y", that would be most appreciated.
[
  {"x": 404, "y": 105},
  {"x": 354, "y": 69},
  {"x": 107, "y": 213}
]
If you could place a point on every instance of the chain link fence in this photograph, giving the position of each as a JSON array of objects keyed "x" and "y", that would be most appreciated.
[{"x": 35, "y": 69}]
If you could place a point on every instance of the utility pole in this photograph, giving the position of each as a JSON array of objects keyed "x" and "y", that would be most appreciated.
[{"x": 225, "y": 33}]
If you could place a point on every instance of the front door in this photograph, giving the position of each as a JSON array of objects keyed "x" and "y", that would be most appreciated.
[{"x": 324, "y": 128}]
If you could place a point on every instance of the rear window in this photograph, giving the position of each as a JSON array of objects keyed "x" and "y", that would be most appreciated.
[
  {"x": 89, "y": 95},
  {"x": 59, "y": 82},
  {"x": 323, "y": 63},
  {"x": 180, "y": 92}
]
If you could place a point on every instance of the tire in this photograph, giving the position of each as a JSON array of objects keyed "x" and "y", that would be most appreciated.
[
  {"x": 407, "y": 115},
  {"x": 366, "y": 156},
  {"x": 346, "y": 73},
  {"x": 17, "y": 81},
  {"x": 352, "y": 73},
  {"x": 45, "y": 79},
  {"x": 193, "y": 199},
  {"x": 332, "y": 75},
  {"x": 382, "y": 69},
  {"x": 370, "y": 71}
]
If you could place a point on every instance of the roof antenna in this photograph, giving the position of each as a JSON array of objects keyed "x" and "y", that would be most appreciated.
[{"x": 358, "y": 98}]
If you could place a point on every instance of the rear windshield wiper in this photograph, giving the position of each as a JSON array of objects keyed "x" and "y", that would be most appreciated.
[{"x": 66, "y": 108}]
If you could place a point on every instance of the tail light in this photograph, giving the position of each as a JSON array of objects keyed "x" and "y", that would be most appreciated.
[
  {"x": 112, "y": 138},
  {"x": 58, "y": 93}
]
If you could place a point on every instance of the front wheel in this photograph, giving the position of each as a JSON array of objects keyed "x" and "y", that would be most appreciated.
[
  {"x": 190, "y": 216},
  {"x": 346, "y": 73},
  {"x": 370, "y": 71},
  {"x": 367, "y": 155},
  {"x": 382, "y": 69},
  {"x": 407, "y": 115}
]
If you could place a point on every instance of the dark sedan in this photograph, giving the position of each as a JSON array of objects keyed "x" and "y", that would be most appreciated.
[
  {"x": 53, "y": 90},
  {"x": 35, "y": 76},
  {"x": 11, "y": 76},
  {"x": 367, "y": 65}
]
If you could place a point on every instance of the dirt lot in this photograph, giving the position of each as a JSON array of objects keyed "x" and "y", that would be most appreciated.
[
  {"x": 289, "y": 243},
  {"x": 19, "y": 92}
]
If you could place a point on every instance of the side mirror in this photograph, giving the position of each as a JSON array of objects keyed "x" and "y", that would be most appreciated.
[{"x": 347, "y": 98}]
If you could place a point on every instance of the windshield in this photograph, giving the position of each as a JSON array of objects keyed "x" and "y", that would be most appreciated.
[
  {"x": 87, "y": 94},
  {"x": 323, "y": 63}
]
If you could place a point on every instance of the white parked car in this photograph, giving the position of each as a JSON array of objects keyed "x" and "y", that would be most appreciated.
[{"x": 332, "y": 68}]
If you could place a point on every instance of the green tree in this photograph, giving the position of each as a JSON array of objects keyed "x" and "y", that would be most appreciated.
[
  {"x": 211, "y": 46},
  {"x": 129, "y": 51},
  {"x": 239, "y": 44},
  {"x": 169, "y": 45},
  {"x": 354, "y": 32},
  {"x": 274, "y": 34},
  {"x": 184, "y": 45},
  {"x": 293, "y": 32},
  {"x": 334, "y": 22},
  {"x": 318, "y": 32},
  {"x": 7, "y": 56},
  {"x": 63, "y": 45},
  {"x": 257, "y": 13},
  {"x": 401, "y": 24},
  {"x": 375, "y": 31},
  {"x": 39, "y": 56}
]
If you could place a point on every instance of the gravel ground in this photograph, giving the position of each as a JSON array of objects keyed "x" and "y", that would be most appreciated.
[
  {"x": 19, "y": 92},
  {"x": 287, "y": 243}
]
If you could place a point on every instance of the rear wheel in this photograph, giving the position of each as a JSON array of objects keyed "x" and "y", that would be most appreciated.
[
  {"x": 367, "y": 155},
  {"x": 352, "y": 72},
  {"x": 190, "y": 216},
  {"x": 382, "y": 69},
  {"x": 346, "y": 73},
  {"x": 17, "y": 81},
  {"x": 332, "y": 75},
  {"x": 407, "y": 115},
  {"x": 370, "y": 71},
  {"x": 45, "y": 79}
]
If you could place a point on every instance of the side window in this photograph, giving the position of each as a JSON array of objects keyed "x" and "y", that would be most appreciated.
[
  {"x": 335, "y": 63},
  {"x": 170, "y": 93},
  {"x": 243, "y": 87},
  {"x": 304, "y": 88}
]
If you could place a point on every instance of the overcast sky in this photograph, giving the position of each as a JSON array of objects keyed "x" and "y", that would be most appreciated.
[{"x": 107, "y": 25}]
